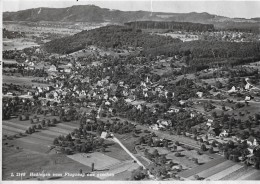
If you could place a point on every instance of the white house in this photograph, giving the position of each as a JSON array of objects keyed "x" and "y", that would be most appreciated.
[
  {"x": 247, "y": 98},
  {"x": 154, "y": 127},
  {"x": 247, "y": 86},
  {"x": 67, "y": 70},
  {"x": 200, "y": 94},
  {"x": 182, "y": 102},
  {"x": 52, "y": 68},
  {"x": 232, "y": 90},
  {"x": 223, "y": 134}
]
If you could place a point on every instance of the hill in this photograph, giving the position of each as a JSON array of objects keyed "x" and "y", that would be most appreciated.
[
  {"x": 112, "y": 36},
  {"x": 91, "y": 13}
]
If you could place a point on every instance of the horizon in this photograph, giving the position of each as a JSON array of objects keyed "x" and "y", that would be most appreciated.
[{"x": 231, "y": 9}]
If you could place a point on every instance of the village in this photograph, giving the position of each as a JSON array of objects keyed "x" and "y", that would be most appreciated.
[{"x": 92, "y": 87}]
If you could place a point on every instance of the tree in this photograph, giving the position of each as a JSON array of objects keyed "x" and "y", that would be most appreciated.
[
  {"x": 48, "y": 122},
  {"x": 56, "y": 141},
  {"x": 39, "y": 126},
  {"x": 155, "y": 153},
  {"x": 196, "y": 161},
  {"x": 178, "y": 154},
  {"x": 174, "y": 147},
  {"x": 203, "y": 147},
  {"x": 196, "y": 177},
  {"x": 211, "y": 150},
  {"x": 213, "y": 144},
  {"x": 201, "y": 140}
]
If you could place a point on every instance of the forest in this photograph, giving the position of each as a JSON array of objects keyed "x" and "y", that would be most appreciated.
[
  {"x": 180, "y": 26},
  {"x": 201, "y": 53},
  {"x": 108, "y": 37}
]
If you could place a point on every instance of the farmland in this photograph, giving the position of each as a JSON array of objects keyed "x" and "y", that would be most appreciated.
[
  {"x": 221, "y": 169},
  {"x": 41, "y": 142}
]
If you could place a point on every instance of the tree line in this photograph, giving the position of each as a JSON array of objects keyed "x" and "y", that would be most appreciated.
[{"x": 183, "y": 26}]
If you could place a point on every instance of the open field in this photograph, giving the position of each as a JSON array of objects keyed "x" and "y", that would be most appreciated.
[
  {"x": 196, "y": 170},
  {"x": 26, "y": 161},
  {"x": 221, "y": 169},
  {"x": 115, "y": 159},
  {"x": 100, "y": 160},
  {"x": 40, "y": 141},
  {"x": 115, "y": 151},
  {"x": 118, "y": 168},
  {"x": 182, "y": 37},
  {"x": 21, "y": 80},
  {"x": 18, "y": 44}
]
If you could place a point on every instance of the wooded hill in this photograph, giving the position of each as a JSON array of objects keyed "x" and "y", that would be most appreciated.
[{"x": 108, "y": 37}]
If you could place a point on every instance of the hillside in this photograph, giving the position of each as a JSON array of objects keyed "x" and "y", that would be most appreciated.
[{"x": 109, "y": 37}]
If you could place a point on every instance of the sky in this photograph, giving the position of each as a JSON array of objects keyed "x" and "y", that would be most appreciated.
[{"x": 232, "y": 8}]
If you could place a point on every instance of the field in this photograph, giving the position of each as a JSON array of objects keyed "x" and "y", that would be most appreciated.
[
  {"x": 100, "y": 160},
  {"x": 221, "y": 169},
  {"x": 23, "y": 160},
  {"x": 22, "y": 80},
  {"x": 41, "y": 140},
  {"x": 18, "y": 44},
  {"x": 38, "y": 145},
  {"x": 182, "y": 37}
]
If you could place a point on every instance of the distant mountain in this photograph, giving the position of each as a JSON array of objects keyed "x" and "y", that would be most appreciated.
[{"x": 91, "y": 13}]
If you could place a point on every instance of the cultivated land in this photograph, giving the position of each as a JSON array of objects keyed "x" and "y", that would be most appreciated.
[{"x": 183, "y": 103}]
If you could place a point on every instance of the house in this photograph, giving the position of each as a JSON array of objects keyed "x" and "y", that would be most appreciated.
[
  {"x": 251, "y": 141},
  {"x": 247, "y": 86},
  {"x": 232, "y": 90},
  {"x": 67, "y": 70},
  {"x": 69, "y": 64},
  {"x": 223, "y": 134},
  {"x": 104, "y": 135},
  {"x": 182, "y": 102},
  {"x": 173, "y": 109},
  {"x": 52, "y": 68},
  {"x": 208, "y": 124},
  {"x": 200, "y": 94},
  {"x": 210, "y": 120},
  {"x": 139, "y": 107},
  {"x": 154, "y": 127},
  {"x": 247, "y": 98}
]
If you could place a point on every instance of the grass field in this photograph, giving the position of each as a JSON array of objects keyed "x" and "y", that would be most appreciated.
[
  {"x": 21, "y": 80},
  {"x": 100, "y": 160},
  {"x": 18, "y": 44},
  {"x": 27, "y": 161},
  {"x": 40, "y": 141},
  {"x": 221, "y": 169},
  {"x": 198, "y": 169}
]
